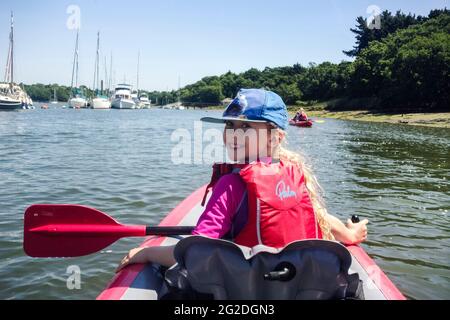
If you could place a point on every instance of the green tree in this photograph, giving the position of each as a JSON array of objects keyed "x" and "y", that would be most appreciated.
[
  {"x": 290, "y": 93},
  {"x": 389, "y": 24},
  {"x": 409, "y": 68},
  {"x": 210, "y": 94}
]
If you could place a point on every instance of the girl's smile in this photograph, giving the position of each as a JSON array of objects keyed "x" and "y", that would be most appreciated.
[{"x": 249, "y": 141}]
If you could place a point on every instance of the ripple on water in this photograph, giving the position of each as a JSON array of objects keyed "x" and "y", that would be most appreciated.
[{"x": 119, "y": 162}]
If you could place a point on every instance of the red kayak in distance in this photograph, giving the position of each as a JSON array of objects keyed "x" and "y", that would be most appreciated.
[{"x": 306, "y": 123}]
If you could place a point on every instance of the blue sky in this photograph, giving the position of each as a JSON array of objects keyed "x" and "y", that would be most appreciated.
[{"x": 186, "y": 39}]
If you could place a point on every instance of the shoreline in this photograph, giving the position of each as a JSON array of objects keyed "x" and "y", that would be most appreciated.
[
  {"x": 432, "y": 119},
  {"x": 436, "y": 120}
]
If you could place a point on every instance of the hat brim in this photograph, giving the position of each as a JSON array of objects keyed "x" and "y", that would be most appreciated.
[{"x": 224, "y": 119}]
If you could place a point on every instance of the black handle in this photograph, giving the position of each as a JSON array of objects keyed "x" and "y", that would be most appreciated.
[
  {"x": 277, "y": 275},
  {"x": 355, "y": 218},
  {"x": 168, "y": 231},
  {"x": 285, "y": 271}
]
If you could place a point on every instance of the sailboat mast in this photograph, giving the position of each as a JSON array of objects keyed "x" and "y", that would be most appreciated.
[
  {"x": 106, "y": 76},
  {"x": 12, "y": 50},
  {"x": 179, "y": 81},
  {"x": 6, "y": 78},
  {"x": 76, "y": 73},
  {"x": 75, "y": 63},
  {"x": 137, "y": 75},
  {"x": 98, "y": 59},
  {"x": 97, "y": 63},
  {"x": 9, "y": 71},
  {"x": 110, "y": 73}
]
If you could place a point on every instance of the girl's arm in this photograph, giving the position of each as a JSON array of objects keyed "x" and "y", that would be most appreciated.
[
  {"x": 160, "y": 255},
  {"x": 215, "y": 222},
  {"x": 353, "y": 233}
]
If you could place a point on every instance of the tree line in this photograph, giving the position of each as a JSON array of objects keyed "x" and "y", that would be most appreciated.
[
  {"x": 46, "y": 92},
  {"x": 403, "y": 65}
]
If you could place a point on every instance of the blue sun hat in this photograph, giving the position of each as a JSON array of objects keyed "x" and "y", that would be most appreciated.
[{"x": 254, "y": 105}]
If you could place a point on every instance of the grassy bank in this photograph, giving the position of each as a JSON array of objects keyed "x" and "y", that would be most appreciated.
[
  {"x": 358, "y": 113},
  {"x": 441, "y": 120}
]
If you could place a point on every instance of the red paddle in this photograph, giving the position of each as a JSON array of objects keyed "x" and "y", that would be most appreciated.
[{"x": 65, "y": 230}]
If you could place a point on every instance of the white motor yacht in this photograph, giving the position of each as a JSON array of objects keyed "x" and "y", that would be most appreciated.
[{"x": 122, "y": 97}]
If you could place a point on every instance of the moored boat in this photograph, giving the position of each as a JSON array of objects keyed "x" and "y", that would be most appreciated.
[
  {"x": 9, "y": 103},
  {"x": 144, "y": 101},
  {"x": 99, "y": 101},
  {"x": 122, "y": 97},
  {"x": 12, "y": 96},
  {"x": 77, "y": 99}
]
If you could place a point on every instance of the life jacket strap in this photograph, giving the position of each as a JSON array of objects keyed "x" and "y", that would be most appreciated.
[{"x": 218, "y": 170}]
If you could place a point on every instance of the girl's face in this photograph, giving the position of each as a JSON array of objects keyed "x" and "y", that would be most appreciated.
[{"x": 250, "y": 141}]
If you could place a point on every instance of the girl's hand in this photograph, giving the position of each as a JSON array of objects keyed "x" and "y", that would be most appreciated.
[
  {"x": 137, "y": 255},
  {"x": 358, "y": 230}
]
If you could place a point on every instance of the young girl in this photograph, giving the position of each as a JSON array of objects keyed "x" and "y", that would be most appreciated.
[{"x": 272, "y": 197}]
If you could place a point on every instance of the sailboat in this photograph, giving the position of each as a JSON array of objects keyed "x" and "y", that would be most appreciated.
[
  {"x": 135, "y": 94},
  {"x": 142, "y": 98},
  {"x": 144, "y": 101},
  {"x": 77, "y": 99},
  {"x": 12, "y": 96},
  {"x": 55, "y": 100},
  {"x": 179, "y": 105},
  {"x": 100, "y": 101}
]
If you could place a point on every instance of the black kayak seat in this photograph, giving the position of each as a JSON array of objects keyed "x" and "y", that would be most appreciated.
[{"x": 223, "y": 270}]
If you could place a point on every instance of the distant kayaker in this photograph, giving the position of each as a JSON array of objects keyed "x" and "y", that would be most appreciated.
[
  {"x": 301, "y": 115},
  {"x": 269, "y": 195}
]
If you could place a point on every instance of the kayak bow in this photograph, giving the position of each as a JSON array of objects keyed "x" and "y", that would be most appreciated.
[{"x": 145, "y": 282}]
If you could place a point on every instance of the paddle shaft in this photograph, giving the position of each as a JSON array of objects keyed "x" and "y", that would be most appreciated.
[
  {"x": 107, "y": 230},
  {"x": 168, "y": 231}
]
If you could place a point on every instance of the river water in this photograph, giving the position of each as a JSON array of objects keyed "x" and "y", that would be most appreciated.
[{"x": 120, "y": 163}]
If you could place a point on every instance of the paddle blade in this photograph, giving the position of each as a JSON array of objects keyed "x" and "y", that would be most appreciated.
[{"x": 70, "y": 230}]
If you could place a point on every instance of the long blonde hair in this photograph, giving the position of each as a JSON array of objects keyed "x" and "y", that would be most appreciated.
[{"x": 312, "y": 185}]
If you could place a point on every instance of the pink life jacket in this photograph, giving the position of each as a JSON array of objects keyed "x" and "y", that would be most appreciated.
[{"x": 279, "y": 209}]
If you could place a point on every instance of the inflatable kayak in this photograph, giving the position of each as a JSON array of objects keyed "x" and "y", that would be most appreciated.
[
  {"x": 146, "y": 282},
  {"x": 307, "y": 123}
]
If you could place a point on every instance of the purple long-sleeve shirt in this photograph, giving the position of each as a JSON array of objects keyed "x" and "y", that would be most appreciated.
[{"x": 216, "y": 220}]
